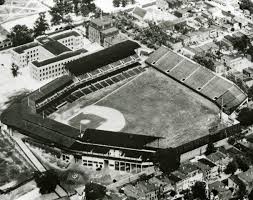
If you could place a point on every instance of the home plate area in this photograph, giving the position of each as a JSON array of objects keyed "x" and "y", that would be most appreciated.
[{"x": 98, "y": 117}]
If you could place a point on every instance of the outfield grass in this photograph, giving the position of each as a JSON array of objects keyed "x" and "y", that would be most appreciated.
[{"x": 154, "y": 104}]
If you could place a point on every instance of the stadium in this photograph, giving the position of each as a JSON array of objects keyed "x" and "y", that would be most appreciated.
[{"x": 114, "y": 110}]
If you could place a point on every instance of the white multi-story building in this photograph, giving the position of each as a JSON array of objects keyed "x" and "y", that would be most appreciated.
[
  {"x": 70, "y": 39},
  {"x": 46, "y": 47},
  {"x": 47, "y": 55},
  {"x": 53, "y": 67}
]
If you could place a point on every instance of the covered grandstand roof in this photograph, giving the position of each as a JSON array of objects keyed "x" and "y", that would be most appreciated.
[
  {"x": 200, "y": 79},
  {"x": 50, "y": 88},
  {"x": 119, "y": 139},
  {"x": 101, "y": 58}
]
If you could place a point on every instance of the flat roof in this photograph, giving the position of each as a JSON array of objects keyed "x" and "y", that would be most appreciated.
[
  {"x": 101, "y": 58},
  {"x": 65, "y": 35},
  {"x": 101, "y": 21},
  {"x": 59, "y": 57},
  {"x": 50, "y": 88},
  {"x": 110, "y": 30},
  {"x": 55, "y": 47},
  {"x": 22, "y": 48}
]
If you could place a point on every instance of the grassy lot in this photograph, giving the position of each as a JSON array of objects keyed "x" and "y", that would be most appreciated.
[
  {"x": 13, "y": 167},
  {"x": 157, "y": 105}
]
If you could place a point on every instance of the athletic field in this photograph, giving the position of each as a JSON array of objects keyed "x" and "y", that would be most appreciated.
[{"x": 152, "y": 104}]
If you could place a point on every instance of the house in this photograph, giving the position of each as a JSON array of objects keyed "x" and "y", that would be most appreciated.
[
  {"x": 141, "y": 191},
  {"x": 46, "y": 50},
  {"x": 185, "y": 176},
  {"x": 219, "y": 159},
  {"x": 182, "y": 13},
  {"x": 233, "y": 62},
  {"x": 248, "y": 82},
  {"x": 162, "y": 182},
  {"x": 234, "y": 182},
  {"x": 209, "y": 169},
  {"x": 248, "y": 72},
  {"x": 223, "y": 191},
  {"x": 139, "y": 13},
  {"x": 247, "y": 178}
]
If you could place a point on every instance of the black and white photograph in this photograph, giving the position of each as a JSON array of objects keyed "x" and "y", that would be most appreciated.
[{"x": 126, "y": 99}]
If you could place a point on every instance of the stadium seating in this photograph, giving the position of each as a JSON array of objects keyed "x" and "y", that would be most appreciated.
[{"x": 198, "y": 78}]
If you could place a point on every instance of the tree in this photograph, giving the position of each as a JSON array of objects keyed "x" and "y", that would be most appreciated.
[
  {"x": 167, "y": 160},
  {"x": 57, "y": 13},
  {"x": 76, "y": 6},
  {"x": 250, "y": 195},
  {"x": 199, "y": 190},
  {"x": 242, "y": 163},
  {"x": 20, "y": 34},
  {"x": 94, "y": 191},
  {"x": 116, "y": 3},
  {"x": 208, "y": 63},
  {"x": 210, "y": 148},
  {"x": 124, "y": 3},
  {"x": 231, "y": 168},
  {"x": 14, "y": 70},
  {"x": 46, "y": 181},
  {"x": 40, "y": 25},
  {"x": 241, "y": 190},
  {"x": 2, "y": 2},
  {"x": 87, "y": 6},
  {"x": 245, "y": 117},
  {"x": 241, "y": 44}
]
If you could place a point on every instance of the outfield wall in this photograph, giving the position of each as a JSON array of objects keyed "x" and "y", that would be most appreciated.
[{"x": 198, "y": 146}]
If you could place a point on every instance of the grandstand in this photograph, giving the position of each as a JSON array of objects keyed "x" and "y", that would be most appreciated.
[
  {"x": 29, "y": 115},
  {"x": 216, "y": 88}
]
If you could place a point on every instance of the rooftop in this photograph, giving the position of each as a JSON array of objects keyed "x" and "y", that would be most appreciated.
[
  {"x": 110, "y": 31},
  {"x": 22, "y": 48},
  {"x": 247, "y": 176},
  {"x": 60, "y": 57},
  {"x": 139, "y": 12},
  {"x": 217, "y": 156},
  {"x": 55, "y": 47},
  {"x": 65, "y": 35},
  {"x": 101, "y": 58},
  {"x": 102, "y": 21}
]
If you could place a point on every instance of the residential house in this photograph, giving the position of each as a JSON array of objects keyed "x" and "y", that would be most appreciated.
[
  {"x": 162, "y": 182},
  {"x": 182, "y": 13},
  {"x": 232, "y": 62},
  {"x": 185, "y": 176},
  {"x": 209, "y": 169},
  {"x": 139, "y": 13},
  {"x": 223, "y": 191},
  {"x": 248, "y": 72},
  {"x": 247, "y": 178},
  {"x": 234, "y": 182},
  {"x": 142, "y": 190},
  {"x": 219, "y": 159}
]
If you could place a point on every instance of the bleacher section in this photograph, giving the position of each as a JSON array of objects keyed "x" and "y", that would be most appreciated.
[
  {"x": 84, "y": 88},
  {"x": 111, "y": 55},
  {"x": 200, "y": 79}
]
